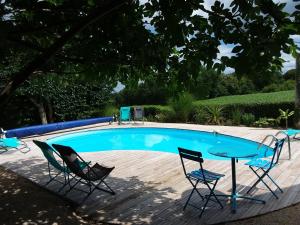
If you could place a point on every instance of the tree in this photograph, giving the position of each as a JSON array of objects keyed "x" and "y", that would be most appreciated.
[
  {"x": 109, "y": 36},
  {"x": 65, "y": 98},
  {"x": 296, "y": 54},
  {"x": 297, "y": 94}
]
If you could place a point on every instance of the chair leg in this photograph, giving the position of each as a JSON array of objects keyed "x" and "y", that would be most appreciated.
[
  {"x": 189, "y": 198},
  {"x": 96, "y": 186},
  {"x": 194, "y": 186},
  {"x": 66, "y": 181},
  {"x": 3, "y": 149},
  {"x": 110, "y": 190},
  {"x": 275, "y": 183},
  {"x": 256, "y": 183},
  {"x": 211, "y": 193},
  {"x": 51, "y": 178},
  {"x": 24, "y": 146},
  {"x": 289, "y": 146},
  {"x": 260, "y": 179},
  {"x": 71, "y": 187}
]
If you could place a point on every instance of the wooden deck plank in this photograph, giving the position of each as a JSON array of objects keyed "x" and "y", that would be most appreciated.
[{"x": 151, "y": 187}]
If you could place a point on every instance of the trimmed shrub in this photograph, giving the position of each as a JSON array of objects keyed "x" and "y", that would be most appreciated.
[
  {"x": 158, "y": 113},
  {"x": 248, "y": 119},
  {"x": 252, "y": 106},
  {"x": 260, "y": 105}
]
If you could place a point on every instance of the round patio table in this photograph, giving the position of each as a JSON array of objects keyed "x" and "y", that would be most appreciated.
[{"x": 235, "y": 154}]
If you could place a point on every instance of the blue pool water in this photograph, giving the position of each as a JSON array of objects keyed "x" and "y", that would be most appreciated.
[{"x": 157, "y": 139}]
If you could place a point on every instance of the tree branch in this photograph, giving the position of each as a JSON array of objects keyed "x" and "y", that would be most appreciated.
[
  {"x": 41, "y": 59},
  {"x": 223, "y": 16},
  {"x": 26, "y": 44}
]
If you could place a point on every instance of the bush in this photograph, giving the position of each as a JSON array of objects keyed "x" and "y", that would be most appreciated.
[
  {"x": 110, "y": 110},
  {"x": 158, "y": 113},
  {"x": 248, "y": 119},
  {"x": 182, "y": 106},
  {"x": 266, "y": 122},
  {"x": 231, "y": 110},
  {"x": 199, "y": 116},
  {"x": 236, "y": 116},
  {"x": 260, "y": 105},
  {"x": 282, "y": 86},
  {"x": 214, "y": 114}
]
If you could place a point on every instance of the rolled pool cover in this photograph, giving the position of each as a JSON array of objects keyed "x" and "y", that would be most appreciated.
[{"x": 42, "y": 129}]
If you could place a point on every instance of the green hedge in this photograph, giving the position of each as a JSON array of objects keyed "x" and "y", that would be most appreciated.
[
  {"x": 152, "y": 110},
  {"x": 260, "y": 105}
]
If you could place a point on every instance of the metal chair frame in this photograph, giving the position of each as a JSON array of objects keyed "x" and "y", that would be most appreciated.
[
  {"x": 210, "y": 183},
  {"x": 22, "y": 145},
  {"x": 60, "y": 168},
  {"x": 80, "y": 176},
  {"x": 265, "y": 171}
]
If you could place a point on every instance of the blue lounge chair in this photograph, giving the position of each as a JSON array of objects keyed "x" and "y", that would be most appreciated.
[
  {"x": 289, "y": 134},
  {"x": 138, "y": 114},
  {"x": 265, "y": 166},
  {"x": 125, "y": 115},
  {"x": 55, "y": 167},
  {"x": 13, "y": 143},
  {"x": 210, "y": 179},
  {"x": 92, "y": 176}
]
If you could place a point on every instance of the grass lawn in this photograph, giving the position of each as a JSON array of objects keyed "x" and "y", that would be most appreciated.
[{"x": 259, "y": 98}]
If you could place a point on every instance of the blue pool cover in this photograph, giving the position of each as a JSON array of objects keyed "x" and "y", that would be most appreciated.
[{"x": 41, "y": 129}]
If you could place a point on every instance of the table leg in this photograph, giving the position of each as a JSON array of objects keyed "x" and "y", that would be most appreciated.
[
  {"x": 233, "y": 197},
  {"x": 233, "y": 191}
]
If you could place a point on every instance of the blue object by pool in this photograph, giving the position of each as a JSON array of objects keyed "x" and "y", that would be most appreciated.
[
  {"x": 45, "y": 128},
  {"x": 291, "y": 132},
  {"x": 157, "y": 139}
]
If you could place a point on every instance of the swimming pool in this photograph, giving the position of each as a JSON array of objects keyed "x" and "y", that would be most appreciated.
[{"x": 156, "y": 139}]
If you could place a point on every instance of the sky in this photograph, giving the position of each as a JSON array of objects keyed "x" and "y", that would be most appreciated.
[
  {"x": 290, "y": 62},
  {"x": 225, "y": 49}
]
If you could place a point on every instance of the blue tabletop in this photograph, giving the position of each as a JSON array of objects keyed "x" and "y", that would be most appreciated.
[{"x": 238, "y": 152}]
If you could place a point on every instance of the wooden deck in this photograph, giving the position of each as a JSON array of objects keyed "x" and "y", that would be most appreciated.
[{"x": 151, "y": 188}]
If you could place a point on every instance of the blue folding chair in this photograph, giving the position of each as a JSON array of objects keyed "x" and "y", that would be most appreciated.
[
  {"x": 210, "y": 179},
  {"x": 265, "y": 166},
  {"x": 13, "y": 143},
  {"x": 125, "y": 115}
]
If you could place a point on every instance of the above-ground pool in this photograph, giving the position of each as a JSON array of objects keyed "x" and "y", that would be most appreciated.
[{"x": 157, "y": 139}]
